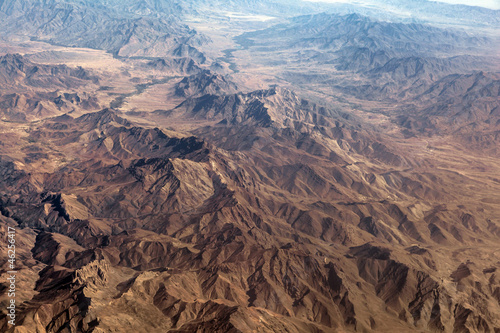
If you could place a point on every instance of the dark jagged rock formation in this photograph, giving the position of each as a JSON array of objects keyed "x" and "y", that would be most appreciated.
[{"x": 204, "y": 83}]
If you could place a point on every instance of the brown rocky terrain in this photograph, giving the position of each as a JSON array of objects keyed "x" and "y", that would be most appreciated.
[
  {"x": 31, "y": 91},
  {"x": 323, "y": 173}
]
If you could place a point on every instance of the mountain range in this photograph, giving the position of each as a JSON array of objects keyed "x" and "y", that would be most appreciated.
[{"x": 250, "y": 166}]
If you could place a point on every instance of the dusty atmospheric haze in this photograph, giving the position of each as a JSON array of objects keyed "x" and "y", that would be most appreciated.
[{"x": 249, "y": 166}]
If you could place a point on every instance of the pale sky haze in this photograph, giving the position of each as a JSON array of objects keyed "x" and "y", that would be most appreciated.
[{"x": 492, "y": 4}]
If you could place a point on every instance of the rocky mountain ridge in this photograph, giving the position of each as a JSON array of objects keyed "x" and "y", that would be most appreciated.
[{"x": 224, "y": 171}]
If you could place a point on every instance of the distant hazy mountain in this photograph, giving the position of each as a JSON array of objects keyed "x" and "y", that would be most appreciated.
[
  {"x": 391, "y": 60},
  {"x": 419, "y": 11},
  {"x": 123, "y": 29},
  {"x": 334, "y": 33}
]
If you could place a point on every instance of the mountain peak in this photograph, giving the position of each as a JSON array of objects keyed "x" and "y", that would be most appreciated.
[
  {"x": 12, "y": 66},
  {"x": 203, "y": 83},
  {"x": 102, "y": 117},
  {"x": 10, "y": 58}
]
